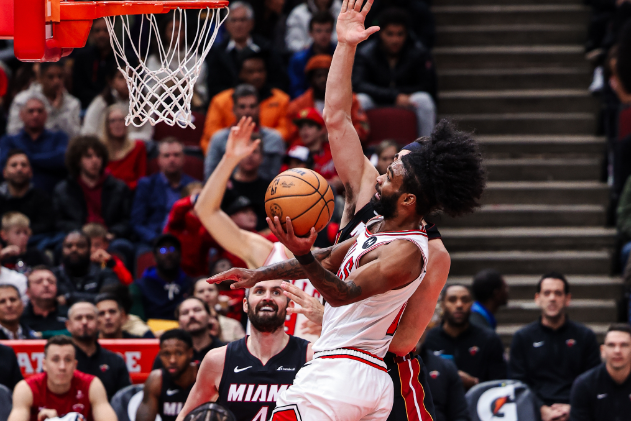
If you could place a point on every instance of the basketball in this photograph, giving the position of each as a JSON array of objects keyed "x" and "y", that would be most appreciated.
[{"x": 304, "y": 196}]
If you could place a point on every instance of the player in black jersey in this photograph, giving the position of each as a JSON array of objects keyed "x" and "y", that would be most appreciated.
[
  {"x": 247, "y": 375},
  {"x": 167, "y": 388}
]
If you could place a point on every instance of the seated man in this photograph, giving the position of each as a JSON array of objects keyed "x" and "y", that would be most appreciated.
[
  {"x": 91, "y": 194},
  {"x": 45, "y": 148},
  {"x": 477, "y": 352},
  {"x": 111, "y": 317},
  {"x": 195, "y": 318},
  {"x": 313, "y": 135},
  {"x": 18, "y": 194},
  {"x": 550, "y": 353},
  {"x": 11, "y": 309},
  {"x": 412, "y": 83},
  {"x": 245, "y": 100},
  {"x": 91, "y": 358},
  {"x": 156, "y": 194},
  {"x": 17, "y": 255},
  {"x": 78, "y": 278},
  {"x": 317, "y": 72},
  {"x": 271, "y": 102},
  {"x": 223, "y": 60},
  {"x": 10, "y": 373},
  {"x": 43, "y": 313},
  {"x": 604, "y": 392},
  {"x": 177, "y": 376},
  {"x": 60, "y": 389},
  {"x": 162, "y": 288},
  {"x": 490, "y": 293},
  {"x": 320, "y": 30},
  {"x": 62, "y": 108}
]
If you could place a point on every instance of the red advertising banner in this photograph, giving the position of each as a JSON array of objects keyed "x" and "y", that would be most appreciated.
[{"x": 138, "y": 354}]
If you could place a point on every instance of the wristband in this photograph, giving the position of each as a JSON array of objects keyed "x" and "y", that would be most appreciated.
[{"x": 305, "y": 259}]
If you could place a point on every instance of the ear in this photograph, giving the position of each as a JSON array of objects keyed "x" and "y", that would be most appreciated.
[
  {"x": 245, "y": 305},
  {"x": 537, "y": 298},
  {"x": 602, "y": 352},
  {"x": 3, "y": 235},
  {"x": 568, "y": 298},
  {"x": 409, "y": 199}
]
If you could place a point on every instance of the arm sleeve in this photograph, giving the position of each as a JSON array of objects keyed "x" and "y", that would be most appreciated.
[
  {"x": 139, "y": 213},
  {"x": 457, "y": 409},
  {"x": 580, "y": 402},
  {"x": 497, "y": 364}
]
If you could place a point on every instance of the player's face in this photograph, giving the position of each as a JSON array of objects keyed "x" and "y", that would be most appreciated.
[
  {"x": 552, "y": 298},
  {"x": 82, "y": 321},
  {"x": 266, "y": 306},
  {"x": 60, "y": 363},
  {"x": 193, "y": 317},
  {"x": 209, "y": 293},
  {"x": 388, "y": 192},
  {"x": 176, "y": 356},
  {"x": 616, "y": 351},
  {"x": 110, "y": 318},
  {"x": 11, "y": 306},
  {"x": 457, "y": 305},
  {"x": 42, "y": 285}
]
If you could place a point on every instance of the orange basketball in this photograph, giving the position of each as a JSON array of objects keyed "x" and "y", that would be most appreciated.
[{"x": 304, "y": 196}]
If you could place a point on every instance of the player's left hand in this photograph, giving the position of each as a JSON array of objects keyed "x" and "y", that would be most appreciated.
[
  {"x": 309, "y": 306},
  {"x": 244, "y": 278},
  {"x": 299, "y": 246}
]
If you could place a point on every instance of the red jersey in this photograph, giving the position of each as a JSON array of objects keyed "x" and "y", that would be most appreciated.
[{"x": 77, "y": 399}]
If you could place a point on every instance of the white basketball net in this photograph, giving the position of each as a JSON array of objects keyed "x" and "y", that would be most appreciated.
[{"x": 163, "y": 94}]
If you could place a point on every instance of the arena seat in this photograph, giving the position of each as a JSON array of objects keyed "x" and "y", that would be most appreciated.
[
  {"x": 6, "y": 402},
  {"x": 398, "y": 124},
  {"x": 144, "y": 261},
  {"x": 193, "y": 166},
  {"x": 188, "y": 136},
  {"x": 624, "y": 123},
  {"x": 501, "y": 399},
  {"x": 126, "y": 401}
]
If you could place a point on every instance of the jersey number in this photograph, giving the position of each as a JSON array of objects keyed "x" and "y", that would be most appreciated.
[
  {"x": 346, "y": 269},
  {"x": 261, "y": 415}
]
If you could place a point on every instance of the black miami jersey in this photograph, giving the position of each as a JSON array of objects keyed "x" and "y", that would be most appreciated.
[
  {"x": 250, "y": 389},
  {"x": 172, "y": 397}
]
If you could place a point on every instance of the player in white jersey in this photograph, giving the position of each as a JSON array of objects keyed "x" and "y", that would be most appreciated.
[
  {"x": 250, "y": 247},
  {"x": 376, "y": 273}
]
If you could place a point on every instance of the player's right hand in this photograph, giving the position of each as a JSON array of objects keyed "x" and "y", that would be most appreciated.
[
  {"x": 350, "y": 22},
  {"x": 244, "y": 278},
  {"x": 240, "y": 144},
  {"x": 309, "y": 306},
  {"x": 45, "y": 413}
]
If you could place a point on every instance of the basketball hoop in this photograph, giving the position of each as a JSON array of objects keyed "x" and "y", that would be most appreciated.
[
  {"x": 163, "y": 94},
  {"x": 155, "y": 95}
]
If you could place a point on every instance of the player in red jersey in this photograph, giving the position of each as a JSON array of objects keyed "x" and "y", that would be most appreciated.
[{"x": 60, "y": 389}]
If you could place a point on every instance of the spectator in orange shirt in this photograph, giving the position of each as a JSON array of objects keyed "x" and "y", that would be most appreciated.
[
  {"x": 317, "y": 71},
  {"x": 272, "y": 102},
  {"x": 313, "y": 135}
]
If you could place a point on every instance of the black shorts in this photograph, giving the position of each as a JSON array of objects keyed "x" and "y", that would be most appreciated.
[{"x": 412, "y": 397}]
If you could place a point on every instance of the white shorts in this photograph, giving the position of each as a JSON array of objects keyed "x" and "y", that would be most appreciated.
[{"x": 338, "y": 385}]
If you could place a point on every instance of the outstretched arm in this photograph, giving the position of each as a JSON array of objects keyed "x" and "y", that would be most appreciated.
[
  {"x": 359, "y": 178},
  {"x": 248, "y": 246},
  {"x": 101, "y": 408}
]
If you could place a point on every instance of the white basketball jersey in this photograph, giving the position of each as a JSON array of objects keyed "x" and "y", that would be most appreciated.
[
  {"x": 370, "y": 324},
  {"x": 293, "y": 324}
]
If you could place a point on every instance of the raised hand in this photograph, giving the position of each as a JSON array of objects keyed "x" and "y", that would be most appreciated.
[
  {"x": 309, "y": 306},
  {"x": 240, "y": 143},
  {"x": 244, "y": 278},
  {"x": 299, "y": 246},
  {"x": 350, "y": 22}
]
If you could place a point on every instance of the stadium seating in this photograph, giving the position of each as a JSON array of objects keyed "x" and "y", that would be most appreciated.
[
  {"x": 398, "y": 124},
  {"x": 144, "y": 261},
  {"x": 6, "y": 403},
  {"x": 624, "y": 123}
]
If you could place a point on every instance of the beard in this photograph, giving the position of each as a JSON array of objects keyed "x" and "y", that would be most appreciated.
[
  {"x": 386, "y": 206},
  {"x": 456, "y": 323},
  {"x": 77, "y": 264},
  {"x": 268, "y": 322}
]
